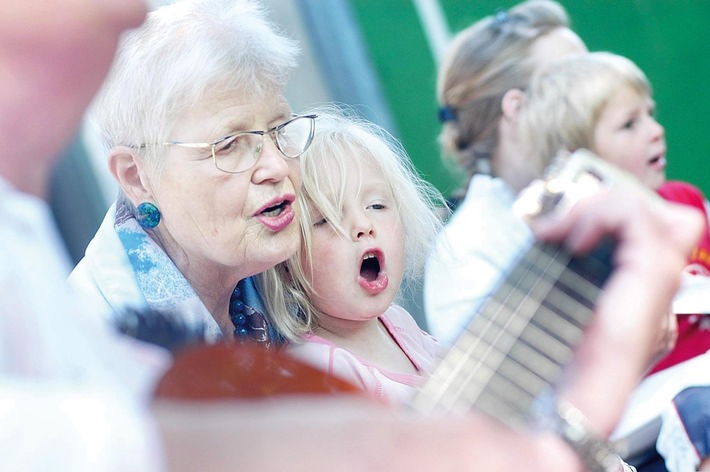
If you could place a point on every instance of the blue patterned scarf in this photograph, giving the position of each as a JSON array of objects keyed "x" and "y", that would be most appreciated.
[{"x": 165, "y": 288}]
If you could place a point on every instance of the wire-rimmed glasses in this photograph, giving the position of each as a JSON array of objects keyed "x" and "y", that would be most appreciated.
[{"x": 240, "y": 151}]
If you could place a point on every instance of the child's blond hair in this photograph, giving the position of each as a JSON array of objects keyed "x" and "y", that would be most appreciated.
[{"x": 566, "y": 98}]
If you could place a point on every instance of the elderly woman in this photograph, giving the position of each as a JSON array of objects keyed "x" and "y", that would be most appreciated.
[{"x": 204, "y": 148}]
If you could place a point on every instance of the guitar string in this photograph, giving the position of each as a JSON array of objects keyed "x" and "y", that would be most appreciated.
[
  {"x": 508, "y": 386},
  {"x": 521, "y": 379},
  {"x": 511, "y": 391},
  {"x": 455, "y": 361},
  {"x": 523, "y": 356}
]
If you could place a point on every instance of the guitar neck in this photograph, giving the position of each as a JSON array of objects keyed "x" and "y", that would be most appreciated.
[{"x": 516, "y": 347}]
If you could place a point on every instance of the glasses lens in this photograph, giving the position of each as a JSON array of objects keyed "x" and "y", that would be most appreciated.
[
  {"x": 295, "y": 136},
  {"x": 237, "y": 153}
]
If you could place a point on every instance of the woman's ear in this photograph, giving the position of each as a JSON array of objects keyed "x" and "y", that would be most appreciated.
[
  {"x": 510, "y": 105},
  {"x": 128, "y": 170}
]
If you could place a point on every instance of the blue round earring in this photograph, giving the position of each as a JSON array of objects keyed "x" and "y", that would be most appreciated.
[{"x": 147, "y": 215}]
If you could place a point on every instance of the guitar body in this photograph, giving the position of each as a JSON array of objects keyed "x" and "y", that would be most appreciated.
[{"x": 248, "y": 371}]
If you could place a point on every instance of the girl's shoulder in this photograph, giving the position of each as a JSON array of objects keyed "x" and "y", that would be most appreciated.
[{"x": 414, "y": 340}]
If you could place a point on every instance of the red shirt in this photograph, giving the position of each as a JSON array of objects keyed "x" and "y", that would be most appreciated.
[{"x": 693, "y": 328}]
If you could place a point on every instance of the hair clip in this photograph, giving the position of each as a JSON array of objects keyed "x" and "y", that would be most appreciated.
[
  {"x": 501, "y": 17},
  {"x": 446, "y": 113}
]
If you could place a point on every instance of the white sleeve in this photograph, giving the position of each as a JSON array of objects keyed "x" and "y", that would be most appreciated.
[
  {"x": 57, "y": 427},
  {"x": 72, "y": 397}
]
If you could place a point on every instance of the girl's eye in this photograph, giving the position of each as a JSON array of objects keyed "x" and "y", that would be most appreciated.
[
  {"x": 378, "y": 206},
  {"x": 317, "y": 217}
]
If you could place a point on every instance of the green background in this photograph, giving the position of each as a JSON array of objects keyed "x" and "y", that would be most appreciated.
[{"x": 667, "y": 39}]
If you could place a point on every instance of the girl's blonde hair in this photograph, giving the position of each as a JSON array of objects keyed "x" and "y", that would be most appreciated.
[
  {"x": 565, "y": 99},
  {"x": 484, "y": 61},
  {"x": 341, "y": 139}
]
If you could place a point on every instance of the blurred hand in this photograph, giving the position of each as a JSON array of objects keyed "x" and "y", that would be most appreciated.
[
  {"x": 53, "y": 58},
  {"x": 631, "y": 322}
]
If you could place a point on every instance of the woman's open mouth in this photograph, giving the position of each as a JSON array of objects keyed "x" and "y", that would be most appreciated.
[
  {"x": 275, "y": 210},
  {"x": 278, "y": 214}
]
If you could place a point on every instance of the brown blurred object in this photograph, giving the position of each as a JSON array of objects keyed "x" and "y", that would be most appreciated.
[{"x": 225, "y": 370}]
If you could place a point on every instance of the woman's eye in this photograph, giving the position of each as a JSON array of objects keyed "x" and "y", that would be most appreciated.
[
  {"x": 230, "y": 144},
  {"x": 378, "y": 206},
  {"x": 320, "y": 222},
  {"x": 281, "y": 132}
]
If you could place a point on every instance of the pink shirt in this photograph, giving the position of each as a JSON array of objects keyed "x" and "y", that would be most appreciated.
[{"x": 422, "y": 350}]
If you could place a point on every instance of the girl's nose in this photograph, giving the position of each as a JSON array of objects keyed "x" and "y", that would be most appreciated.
[{"x": 362, "y": 227}]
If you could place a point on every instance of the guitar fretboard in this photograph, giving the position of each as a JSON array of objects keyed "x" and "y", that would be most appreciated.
[{"x": 518, "y": 344}]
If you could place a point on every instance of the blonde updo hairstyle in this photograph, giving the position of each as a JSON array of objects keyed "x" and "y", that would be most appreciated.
[{"x": 484, "y": 61}]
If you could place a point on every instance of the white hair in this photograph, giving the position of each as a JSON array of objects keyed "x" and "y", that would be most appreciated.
[{"x": 182, "y": 53}]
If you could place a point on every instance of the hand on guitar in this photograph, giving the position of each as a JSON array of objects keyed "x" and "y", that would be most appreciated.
[{"x": 654, "y": 240}]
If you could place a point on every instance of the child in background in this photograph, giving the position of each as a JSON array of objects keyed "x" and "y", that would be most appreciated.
[
  {"x": 367, "y": 221},
  {"x": 598, "y": 101},
  {"x": 603, "y": 102}
]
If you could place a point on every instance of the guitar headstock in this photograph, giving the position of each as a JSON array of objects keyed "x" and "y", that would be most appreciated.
[{"x": 570, "y": 177}]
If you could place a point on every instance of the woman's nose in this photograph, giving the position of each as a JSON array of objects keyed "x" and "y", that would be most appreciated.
[{"x": 270, "y": 164}]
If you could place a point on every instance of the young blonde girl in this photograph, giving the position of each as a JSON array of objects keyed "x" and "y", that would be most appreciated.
[{"x": 367, "y": 222}]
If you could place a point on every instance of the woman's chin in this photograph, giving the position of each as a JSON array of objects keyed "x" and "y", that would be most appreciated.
[{"x": 274, "y": 251}]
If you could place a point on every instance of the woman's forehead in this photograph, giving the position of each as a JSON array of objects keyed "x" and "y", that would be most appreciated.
[{"x": 232, "y": 112}]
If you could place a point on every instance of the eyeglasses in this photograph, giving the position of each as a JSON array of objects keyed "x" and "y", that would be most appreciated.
[{"x": 239, "y": 152}]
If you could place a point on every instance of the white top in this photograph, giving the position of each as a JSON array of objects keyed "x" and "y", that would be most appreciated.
[
  {"x": 73, "y": 396},
  {"x": 476, "y": 247}
]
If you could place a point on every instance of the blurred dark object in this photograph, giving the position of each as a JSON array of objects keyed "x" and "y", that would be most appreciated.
[
  {"x": 227, "y": 369},
  {"x": 76, "y": 198},
  {"x": 155, "y": 327}
]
